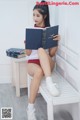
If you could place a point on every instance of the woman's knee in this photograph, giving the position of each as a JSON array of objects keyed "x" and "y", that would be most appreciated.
[
  {"x": 40, "y": 50},
  {"x": 39, "y": 72}
]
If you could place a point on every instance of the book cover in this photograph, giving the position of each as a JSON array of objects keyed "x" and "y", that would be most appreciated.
[
  {"x": 15, "y": 50},
  {"x": 41, "y": 37},
  {"x": 14, "y": 55}
]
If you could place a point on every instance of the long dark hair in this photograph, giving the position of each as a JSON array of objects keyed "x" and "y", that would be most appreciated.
[{"x": 44, "y": 10}]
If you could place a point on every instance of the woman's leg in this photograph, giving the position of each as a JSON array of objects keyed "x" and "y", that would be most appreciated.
[
  {"x": 46, "y": 62},
  {"x": 37, "y": 73},
  {"x": 47, "y": 65}
]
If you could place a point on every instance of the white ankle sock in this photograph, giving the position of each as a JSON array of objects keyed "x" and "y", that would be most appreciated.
[
  {"x": 30, "y": 106},
  {"x": 49, "y": 80}
]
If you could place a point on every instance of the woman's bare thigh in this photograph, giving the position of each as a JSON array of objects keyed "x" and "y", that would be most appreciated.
[{"x": 33, "y": 68}]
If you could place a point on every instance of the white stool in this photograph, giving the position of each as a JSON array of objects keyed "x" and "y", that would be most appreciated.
[
  {"x": 68, "y": 95},
  {"x": 29, "y": 78}
]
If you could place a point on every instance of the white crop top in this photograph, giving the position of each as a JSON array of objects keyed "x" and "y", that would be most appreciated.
[{"x": 34, "y": 54}]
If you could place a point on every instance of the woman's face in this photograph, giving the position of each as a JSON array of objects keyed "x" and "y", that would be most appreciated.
[{"x": 37, "y": 17}]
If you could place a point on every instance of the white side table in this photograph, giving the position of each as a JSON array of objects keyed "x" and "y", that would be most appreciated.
[{"x": 19, "y": 74}]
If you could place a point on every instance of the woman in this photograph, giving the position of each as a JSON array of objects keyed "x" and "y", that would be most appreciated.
[{"x": 40, "y": 62}]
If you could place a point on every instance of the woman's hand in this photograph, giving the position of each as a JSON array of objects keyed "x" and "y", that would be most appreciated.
[
  {"x": 28, "y": 51},
  {"x": 56, "y": 37}
]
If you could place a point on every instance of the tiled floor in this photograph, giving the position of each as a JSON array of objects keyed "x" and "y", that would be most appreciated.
[{"x": 19, "y": 104}]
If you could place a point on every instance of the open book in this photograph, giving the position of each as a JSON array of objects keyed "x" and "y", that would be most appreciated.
[{"x": 41, "y": 37}]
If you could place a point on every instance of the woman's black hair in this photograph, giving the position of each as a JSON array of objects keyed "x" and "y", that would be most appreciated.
[{"x": 44, "y": 10}]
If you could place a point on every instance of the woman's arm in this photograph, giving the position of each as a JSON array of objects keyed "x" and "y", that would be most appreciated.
[
  {"x": 28, "y": 52},
  {"x": 52, "y": 51}
]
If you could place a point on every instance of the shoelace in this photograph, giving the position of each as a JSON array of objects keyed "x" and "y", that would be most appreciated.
[{"x": 55, "y": 84}]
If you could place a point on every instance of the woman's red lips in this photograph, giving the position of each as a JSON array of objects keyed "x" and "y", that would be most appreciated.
[{"x": 36, "y": 21}]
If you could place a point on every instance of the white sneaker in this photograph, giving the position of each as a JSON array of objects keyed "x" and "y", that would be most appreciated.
[
  {"x": 53, "y": 89},
  {"x": 31, "y": 114}
]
